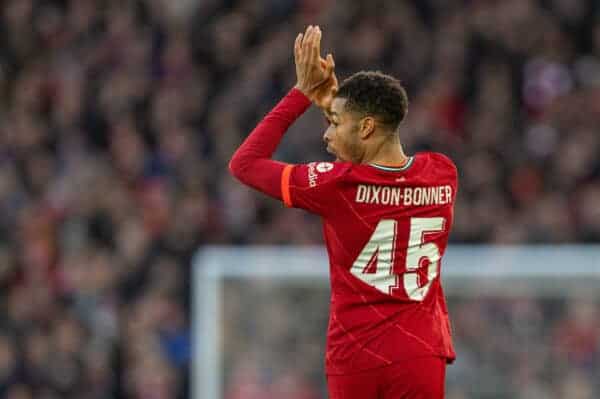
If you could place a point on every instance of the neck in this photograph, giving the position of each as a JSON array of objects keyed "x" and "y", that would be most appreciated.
[{"x": 388, "y": 152}]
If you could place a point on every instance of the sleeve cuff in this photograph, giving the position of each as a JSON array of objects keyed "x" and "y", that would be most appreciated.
[
  {"x": 300, "y": 97},
  {"x": 285, "y": 185}
]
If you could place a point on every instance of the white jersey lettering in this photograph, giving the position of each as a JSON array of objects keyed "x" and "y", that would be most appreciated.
[{"x": 405, "y": 196}]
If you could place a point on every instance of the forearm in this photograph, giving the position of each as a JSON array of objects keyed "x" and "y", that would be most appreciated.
[{"x": 252, "y": 163}]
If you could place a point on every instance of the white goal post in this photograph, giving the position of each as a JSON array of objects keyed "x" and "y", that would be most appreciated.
[{"x": 543, "y": 270}]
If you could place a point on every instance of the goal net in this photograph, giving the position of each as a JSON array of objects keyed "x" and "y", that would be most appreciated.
[{"x": 526, "y": 322}]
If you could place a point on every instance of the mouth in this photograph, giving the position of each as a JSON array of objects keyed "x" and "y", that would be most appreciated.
[{"x": 337, "y": 158}]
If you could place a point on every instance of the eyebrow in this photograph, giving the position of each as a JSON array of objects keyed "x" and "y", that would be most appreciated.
[{"x": 329, "y": 114}]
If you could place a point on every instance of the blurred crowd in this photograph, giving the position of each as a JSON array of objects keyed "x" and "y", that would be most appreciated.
[
  {"x": 118, "y": 118},
  {"x": 521, "y": 347},
  {"x": 525, "y": 348}
]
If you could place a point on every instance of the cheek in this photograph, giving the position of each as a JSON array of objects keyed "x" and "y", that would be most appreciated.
[
  {"x": 346, "y": 142},
  {"x": 352, "y": 145},
  {"x": 335, "y": 136},
  {"x": 330, "y": 133}
]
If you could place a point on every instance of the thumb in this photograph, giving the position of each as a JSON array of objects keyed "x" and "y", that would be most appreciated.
[
  {"x": 330, "y": 64},
  {"x": 330, "y": 60}
]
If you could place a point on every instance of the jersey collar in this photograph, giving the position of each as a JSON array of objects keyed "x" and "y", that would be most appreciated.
[{"x": 394, "y": 169}]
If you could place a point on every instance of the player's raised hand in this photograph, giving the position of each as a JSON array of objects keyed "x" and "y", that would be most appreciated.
[
  {"x": 323, "y": 95},
  {"x": 315, "y": 76}
]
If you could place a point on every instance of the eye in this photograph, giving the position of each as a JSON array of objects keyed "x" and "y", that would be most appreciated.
[{"x": 329, "y": 121}]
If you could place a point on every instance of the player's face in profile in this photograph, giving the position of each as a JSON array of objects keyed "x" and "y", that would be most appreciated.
[{"x": 341, "y": 136}]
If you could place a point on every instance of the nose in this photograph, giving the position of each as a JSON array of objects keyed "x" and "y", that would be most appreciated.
[{"x": 326, "y": 136}]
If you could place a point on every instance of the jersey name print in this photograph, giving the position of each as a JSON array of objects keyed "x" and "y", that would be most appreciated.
[
  {"x": 396, "y": 196},
  {"x": 386, "y": 232}
]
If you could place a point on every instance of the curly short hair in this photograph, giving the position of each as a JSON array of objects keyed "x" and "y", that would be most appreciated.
[{"x": 375, "y": 94}]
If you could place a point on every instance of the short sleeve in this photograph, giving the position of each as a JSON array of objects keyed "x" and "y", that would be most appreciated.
[
  {"x": 450, "y": 172},
  {"x": 314, "y": 186}
]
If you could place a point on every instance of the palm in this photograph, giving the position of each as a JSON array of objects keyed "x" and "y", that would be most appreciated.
[
  {"x": 323, "y": 95},
  {"x": 316, "y": 78}
]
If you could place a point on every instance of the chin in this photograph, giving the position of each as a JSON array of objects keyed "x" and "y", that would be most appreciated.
[{"x": 330, "y": 151}]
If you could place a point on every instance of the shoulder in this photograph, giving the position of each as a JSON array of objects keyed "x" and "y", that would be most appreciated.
[
  {"x": 318, "y": 173},
  {"x": 331, "y": 170},
  {"x": 438, "y": 165},
  {"x": 438, "y": 159}
]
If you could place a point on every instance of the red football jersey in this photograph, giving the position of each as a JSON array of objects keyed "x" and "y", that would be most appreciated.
[{"x": 386, "y": 231}]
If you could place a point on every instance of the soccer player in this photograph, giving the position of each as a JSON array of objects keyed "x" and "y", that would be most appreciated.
[{"x": 386, "y": 218}]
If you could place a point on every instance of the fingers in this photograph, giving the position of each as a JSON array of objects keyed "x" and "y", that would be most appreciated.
[
  {"x": 330, "y": 61},
  {"x": 335, "y": 86},
  {"x": 329, "y": 64},
  {"x": 298, "y": 47},
  {"x": 308, "y": 46},
  {"x": 303, "y": 44},
  {"x": 308, "y": 35},
  {"x": 316, "y": 46},
  {"x": 312, "y": 70}
]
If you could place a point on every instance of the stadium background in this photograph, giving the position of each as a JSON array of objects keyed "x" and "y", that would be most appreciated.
[{"x": 117, "y": 119}]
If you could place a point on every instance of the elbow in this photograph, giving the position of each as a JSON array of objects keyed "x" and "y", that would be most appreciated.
[{"x": 236, "y": 167}]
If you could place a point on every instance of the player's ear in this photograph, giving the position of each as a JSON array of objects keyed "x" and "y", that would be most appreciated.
[{"x": 366, "y": 127}]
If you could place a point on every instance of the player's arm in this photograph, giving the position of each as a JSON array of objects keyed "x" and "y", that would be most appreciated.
[{"x": 252, "y": 163}]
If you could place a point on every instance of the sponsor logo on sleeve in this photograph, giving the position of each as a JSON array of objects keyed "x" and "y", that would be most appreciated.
[
  {"x": 323, "y": 167},
  {"x": 312, "y": 175},
  {"x": 314, "y": 168}
]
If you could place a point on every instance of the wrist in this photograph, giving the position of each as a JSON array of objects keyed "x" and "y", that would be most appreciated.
[{"x": 302, "y": 90}]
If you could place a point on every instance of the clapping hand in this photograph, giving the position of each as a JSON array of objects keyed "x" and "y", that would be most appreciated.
[{"x": 315, "y": 75}]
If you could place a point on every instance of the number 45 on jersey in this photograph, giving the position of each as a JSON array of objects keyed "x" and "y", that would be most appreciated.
[{"x": 375, "y": 263}]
